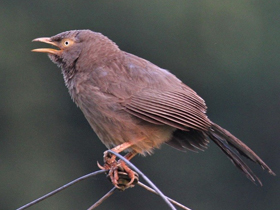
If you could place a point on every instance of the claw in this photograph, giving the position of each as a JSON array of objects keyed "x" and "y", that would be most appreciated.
[
  {"x": 130, "y": 173},
  {"x": 121, "y": 176},
  {"x": 100, "y": 166}
]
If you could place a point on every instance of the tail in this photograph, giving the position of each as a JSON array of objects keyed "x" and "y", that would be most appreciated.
[{"x": 232, "y": 147}]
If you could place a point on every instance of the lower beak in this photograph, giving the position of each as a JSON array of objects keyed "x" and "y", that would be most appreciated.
[{"x": 46, "y": 50}]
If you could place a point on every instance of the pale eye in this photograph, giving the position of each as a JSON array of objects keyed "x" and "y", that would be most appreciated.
[{"x": 66, "y": 43}]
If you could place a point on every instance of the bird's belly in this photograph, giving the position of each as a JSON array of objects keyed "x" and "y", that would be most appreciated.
[{"x": 116, "y": 127}]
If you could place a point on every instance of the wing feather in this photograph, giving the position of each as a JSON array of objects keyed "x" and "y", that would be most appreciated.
[
  {"x": 187, "y": 117},
  {"x": 182, "y": 110}
]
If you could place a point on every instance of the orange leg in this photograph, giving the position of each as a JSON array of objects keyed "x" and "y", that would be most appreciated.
[{"x": 122, "y": 147}]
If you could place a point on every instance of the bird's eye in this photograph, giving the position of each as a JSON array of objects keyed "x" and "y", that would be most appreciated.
[{"x": 66, "y": 43}]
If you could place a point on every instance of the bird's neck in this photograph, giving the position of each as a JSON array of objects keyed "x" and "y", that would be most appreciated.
[{"x": 68, "y": 74}]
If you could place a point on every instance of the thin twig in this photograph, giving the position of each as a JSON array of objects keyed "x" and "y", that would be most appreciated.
[
  {"x": 107, "y": 195},
  {"x": 170, "y": 199},
  {"x": 145, "y": 178},
  {"x": 60, "y": 189}
]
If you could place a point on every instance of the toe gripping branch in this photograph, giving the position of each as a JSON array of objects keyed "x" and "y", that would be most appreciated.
[{"x": 121, "y": 176}]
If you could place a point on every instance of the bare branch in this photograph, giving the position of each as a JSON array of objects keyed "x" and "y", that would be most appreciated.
[
  {"x": 170, "y": 199},
  {"x": 145, "y": 178},
  {"x": 60, "y": 189},
  {"x": 107, "y": 195}
]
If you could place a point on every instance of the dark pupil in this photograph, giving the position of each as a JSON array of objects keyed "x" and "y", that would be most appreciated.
[{"x": 66, "y": 43}]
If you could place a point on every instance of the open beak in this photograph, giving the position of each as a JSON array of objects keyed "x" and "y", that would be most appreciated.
[{"x": 46, "y": 50}]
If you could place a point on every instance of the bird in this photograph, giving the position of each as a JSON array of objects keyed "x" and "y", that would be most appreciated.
[{"x": 135, "y": 106}]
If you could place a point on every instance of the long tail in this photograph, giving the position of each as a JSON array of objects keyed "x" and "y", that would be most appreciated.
[{"x": 232, "y": 147}]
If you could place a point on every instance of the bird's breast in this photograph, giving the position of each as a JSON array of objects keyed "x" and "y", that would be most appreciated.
[{"x": 110, "y": 121}]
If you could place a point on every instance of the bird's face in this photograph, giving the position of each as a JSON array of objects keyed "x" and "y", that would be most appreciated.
[
  {"x": 78, "y": 46},
  {"x": 62, "y": 44},
  {"x": 69, "y": 48}
]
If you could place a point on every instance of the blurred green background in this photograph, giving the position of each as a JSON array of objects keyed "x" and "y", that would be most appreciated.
[{"x": 228, "y": 51}]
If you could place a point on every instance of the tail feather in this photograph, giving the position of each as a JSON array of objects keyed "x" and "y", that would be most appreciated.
[{"x": 231, "y": 146}]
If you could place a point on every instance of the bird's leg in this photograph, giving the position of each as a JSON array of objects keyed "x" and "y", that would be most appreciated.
[
  {"x": 110, "y": 159},
  {"x": 120, "y": 174}
]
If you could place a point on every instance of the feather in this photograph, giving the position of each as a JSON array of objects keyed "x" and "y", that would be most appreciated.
[{"x": 179, "y": 112}]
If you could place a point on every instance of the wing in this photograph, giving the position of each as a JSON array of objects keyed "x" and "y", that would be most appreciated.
[
  {"x": 152, "y": 93},
  {"x": 182, "y": 109}
]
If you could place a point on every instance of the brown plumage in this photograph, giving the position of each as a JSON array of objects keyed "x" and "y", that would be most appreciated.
[{"x": 128, "y": 99}]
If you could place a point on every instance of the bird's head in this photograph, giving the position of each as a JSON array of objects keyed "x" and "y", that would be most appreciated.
[
  {"x": 83, "y": 46},
  {"x": 69, "y": 44}
]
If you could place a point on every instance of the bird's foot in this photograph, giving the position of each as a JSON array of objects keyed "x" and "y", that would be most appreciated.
[{"x": 121, "y": 176}]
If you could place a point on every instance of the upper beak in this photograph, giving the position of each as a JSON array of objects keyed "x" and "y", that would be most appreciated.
[{"x": 46, "y": 50}]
